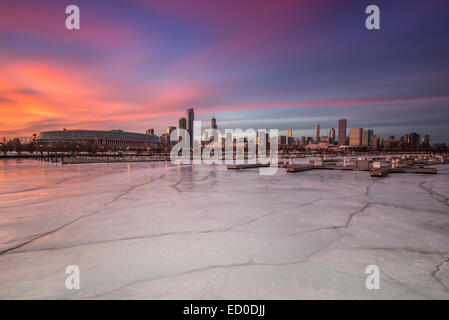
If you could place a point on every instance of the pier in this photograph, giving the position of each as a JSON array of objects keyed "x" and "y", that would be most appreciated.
[
  {"x": 305, "y": 167},
  {"x": 247, "y": 166},
  {"x": 374, "y": 172},
  {"x": 382, "y": 172}
]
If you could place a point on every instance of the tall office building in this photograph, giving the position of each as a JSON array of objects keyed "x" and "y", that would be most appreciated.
[
  {"x": 190, "y": 116},
  {"x": 317, "y": 133},
  {"x": 166, "y": 136},
  {"x": 414, "y": 140},
  {"x": 355, "y": 137},
  {"x": 405, "y": 139},
  {"x": 426, "y": 140},
  {"x": 342, "y": 132},
  {"x": 332, "y": 136},
  {"x": 282, "y": 140},
  {"x": 214, "y": 123},
  {"x": 290, "y": 139},
  {"x": 181, "y": 125},
  {"x": 374, "y": 142},
  {"x": 366, "y": 137}
]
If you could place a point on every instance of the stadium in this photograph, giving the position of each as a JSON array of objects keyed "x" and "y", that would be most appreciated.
[{"x": 110, "y": 139}]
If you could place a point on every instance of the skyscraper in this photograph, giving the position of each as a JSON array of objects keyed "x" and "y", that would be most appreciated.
[
  {"x": 282, "y": 140},
  {"x": 166, "y": 135},
  {"x": 290, "y": 139},
  {"x": 317, "y": 133},
  {"x": 366, "y": 137},
  {"x": 405, "y": 139},
  {"x": 414, "y": 140},
  {"x": 332, "y": 136},
  {"x": 342, "y": 132},
  {"x": 214, "y": 123},
  {"x": 190, "y": 116},
  {"x": 355, "y": 137},
  {"x": 374, "y": 142},
  {"x": 426, "y": 140},
  {"x": 181, "y": 125}
]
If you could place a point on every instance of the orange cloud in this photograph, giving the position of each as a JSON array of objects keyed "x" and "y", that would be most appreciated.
[{"x": 37, "y": 96}]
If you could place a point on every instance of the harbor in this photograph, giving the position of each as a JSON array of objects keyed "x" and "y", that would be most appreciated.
[{"x": 379, "y": 167}]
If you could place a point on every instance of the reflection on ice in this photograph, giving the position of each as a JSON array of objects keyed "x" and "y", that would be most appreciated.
[{"x": 159, "y": 231}]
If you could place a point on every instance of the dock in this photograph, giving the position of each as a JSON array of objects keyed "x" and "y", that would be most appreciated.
[
  {"x": 247, "y": 166},
  {"x": 305, "y": 167},
  {"x": 384, "y": 171},
  {"x": 374, "y": 172},
  {"x": 111, "y": 160}
]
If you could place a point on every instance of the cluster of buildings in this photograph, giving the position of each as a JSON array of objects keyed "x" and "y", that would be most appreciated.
[
  {"x": 118, "y": 139},
  {"x": 183, "y": 123},
  {"x": 122, "y": 140},
  {"x": 357, "y": 138},
  {"x": 342, "y": 138}
]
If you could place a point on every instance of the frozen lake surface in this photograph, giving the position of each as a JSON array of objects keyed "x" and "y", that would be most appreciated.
[{"x": 157, "y": 231}]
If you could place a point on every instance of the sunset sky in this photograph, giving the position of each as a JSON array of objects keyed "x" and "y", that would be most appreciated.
[{"x": 282, "y": 64}]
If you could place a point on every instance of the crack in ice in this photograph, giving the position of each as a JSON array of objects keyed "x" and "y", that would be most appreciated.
[{"x": 44, "y": 234}]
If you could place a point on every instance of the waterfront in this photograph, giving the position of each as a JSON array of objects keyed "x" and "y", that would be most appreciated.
[{"x": 154, "y": 230}]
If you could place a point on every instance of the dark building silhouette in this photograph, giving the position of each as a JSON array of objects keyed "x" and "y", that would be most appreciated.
[
  {"x": 414, "y": 140},
  {"x": 214, "y": 123},
  {"x": 190, "y": 117},
  {"x": 332, "y": 136},
  {"x": 342, "y": 132},
  {"x": 366, "y": 137},
  {"x": 282, "y": 140},
  {"x": 426, "y": 140},
  {"x": 182, "y": 124}
]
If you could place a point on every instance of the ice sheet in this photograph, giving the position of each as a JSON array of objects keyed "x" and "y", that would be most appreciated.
[{"x": 157, "y": 231}]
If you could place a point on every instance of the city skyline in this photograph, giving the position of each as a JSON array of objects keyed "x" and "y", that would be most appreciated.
[
  {"x": 342, "y": 139},
  {"x": 358, "y": 138},
  {"x": 130, "y": 67}
]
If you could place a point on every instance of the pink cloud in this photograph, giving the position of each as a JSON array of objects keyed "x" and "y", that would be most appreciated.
[{"x": 48, "y": 23}]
